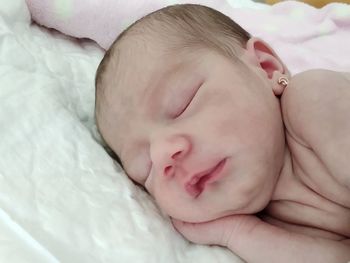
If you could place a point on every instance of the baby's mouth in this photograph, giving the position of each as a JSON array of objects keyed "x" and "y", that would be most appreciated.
[{"x": 196, "y": 185}]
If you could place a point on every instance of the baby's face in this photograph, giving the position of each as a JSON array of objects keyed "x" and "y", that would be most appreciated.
[{"x": 204, "y": 135}]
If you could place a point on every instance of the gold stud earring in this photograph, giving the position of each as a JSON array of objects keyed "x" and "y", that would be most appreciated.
[{"x": 283, "y": 81}]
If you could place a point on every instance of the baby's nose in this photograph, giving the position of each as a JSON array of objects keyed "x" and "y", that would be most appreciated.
[{"x": 168, "y": 153}]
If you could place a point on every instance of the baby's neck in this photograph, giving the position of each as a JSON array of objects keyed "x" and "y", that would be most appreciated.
[{"x": 286, "y": 171}]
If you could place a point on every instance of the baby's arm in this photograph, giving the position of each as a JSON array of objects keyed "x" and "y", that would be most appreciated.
[{"x": 257, "y": 241}]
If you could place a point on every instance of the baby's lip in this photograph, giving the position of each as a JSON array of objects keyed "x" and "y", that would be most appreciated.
[{"x": 196, "y": 184}]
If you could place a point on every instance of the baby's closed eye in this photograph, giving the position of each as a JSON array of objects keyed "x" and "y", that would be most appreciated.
[{"x": 185, "y": 100}]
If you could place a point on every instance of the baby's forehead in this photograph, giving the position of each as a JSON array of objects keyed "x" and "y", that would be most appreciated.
[{"x": 138, "y": 71}]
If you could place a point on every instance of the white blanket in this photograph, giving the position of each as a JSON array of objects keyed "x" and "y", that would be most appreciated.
[{"x": 62, "y": 198}]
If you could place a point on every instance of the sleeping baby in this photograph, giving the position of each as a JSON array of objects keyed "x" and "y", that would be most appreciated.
[{"x": 236, "y": 151}]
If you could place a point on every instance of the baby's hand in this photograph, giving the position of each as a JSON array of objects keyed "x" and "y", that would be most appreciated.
[{"x": 216, "y": 232}]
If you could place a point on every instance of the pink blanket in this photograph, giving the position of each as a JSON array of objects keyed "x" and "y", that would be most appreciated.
[{"x": 303, "y": 36}]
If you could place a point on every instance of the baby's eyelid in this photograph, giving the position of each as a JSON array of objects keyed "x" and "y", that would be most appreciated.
[{"x": 187, "y": 104}]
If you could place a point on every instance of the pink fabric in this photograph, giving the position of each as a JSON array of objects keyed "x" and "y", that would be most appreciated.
[
  {"x": 100, "y": 20},
  {"x": 303, "y": 36}
]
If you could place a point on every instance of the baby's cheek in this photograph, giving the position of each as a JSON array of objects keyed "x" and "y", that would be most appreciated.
[{"x": 224, "y": 125}]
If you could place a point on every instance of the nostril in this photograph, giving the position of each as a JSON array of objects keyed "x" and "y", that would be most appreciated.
[
  {"x": 176, "y": 155},
  {"x": 169, "y": 170}
]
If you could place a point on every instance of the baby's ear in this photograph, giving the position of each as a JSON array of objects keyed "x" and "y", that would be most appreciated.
[{"x": 265, "y": 57}]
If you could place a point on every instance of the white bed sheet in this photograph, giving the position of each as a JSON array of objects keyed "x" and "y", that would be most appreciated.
[{"x": 62, "y": 199}]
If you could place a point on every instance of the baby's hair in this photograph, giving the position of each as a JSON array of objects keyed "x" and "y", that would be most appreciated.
[{"x": 179, "y": 27}]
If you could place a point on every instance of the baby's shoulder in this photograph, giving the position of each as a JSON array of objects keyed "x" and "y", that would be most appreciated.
[
  {"x": 311, "y": 101},
  {"x": 318, "y": 80}
]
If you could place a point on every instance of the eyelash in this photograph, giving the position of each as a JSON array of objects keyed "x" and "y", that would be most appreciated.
[{"x": 183, "y": 109}]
